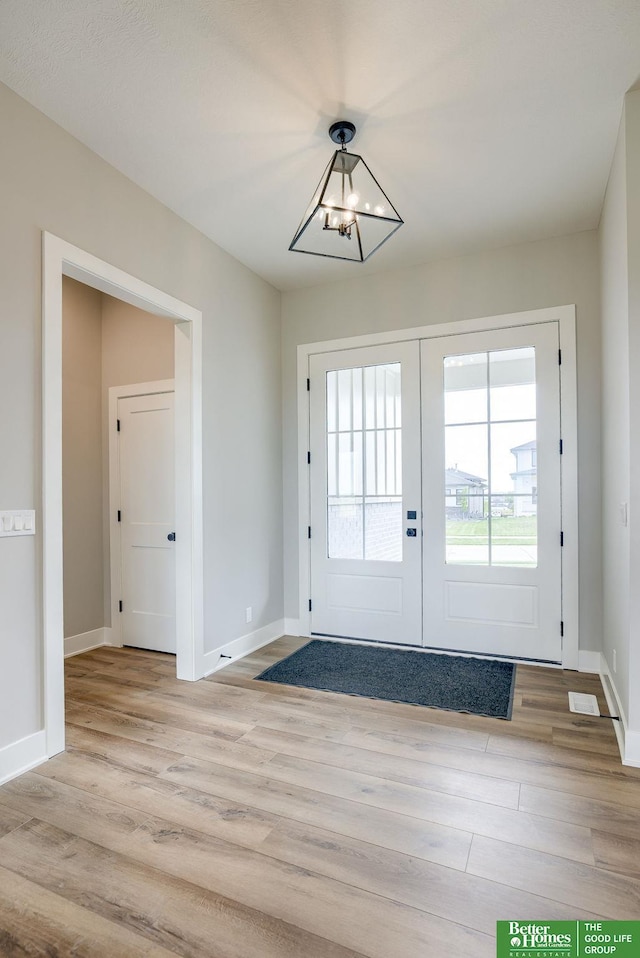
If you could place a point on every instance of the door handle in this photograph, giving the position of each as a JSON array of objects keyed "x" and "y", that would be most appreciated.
[
  {"x": 171, "y": 537},
  {"x": 412, "y": 533}
]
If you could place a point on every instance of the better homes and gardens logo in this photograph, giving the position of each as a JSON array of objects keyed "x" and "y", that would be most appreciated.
[{"x": 568, "y": 939}]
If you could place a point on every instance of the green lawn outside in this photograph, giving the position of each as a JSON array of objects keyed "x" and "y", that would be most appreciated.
[{"x": 521, "y": 530}]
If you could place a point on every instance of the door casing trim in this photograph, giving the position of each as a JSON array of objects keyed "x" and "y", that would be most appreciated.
[
  {"x": 61, "y": 258},
  {"x": 565, "y": 316}
]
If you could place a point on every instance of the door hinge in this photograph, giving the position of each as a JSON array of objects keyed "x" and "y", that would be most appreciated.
[
  {"x": 309, "y": 528},
  {"x": 562, "y": 630},
  {"x": 308, "y": 458},
  {"x": 308, "y": 385},
  {"x": 120, "y": 606},
  {"x": 309, "y": 605},
  {"x": 118, "y": 425},
  {"x": 119, "y": 516},
  {"x": 559, "y": 357},
  {"x": 562, "y": 538},
  {"x": 561, "y": 447}
]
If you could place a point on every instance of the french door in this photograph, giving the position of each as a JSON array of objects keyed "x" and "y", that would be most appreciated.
[
  {"x": 491, "y": 492},
  {"x": 365, "y": 493},
  {"x": 435, "y": 493}
]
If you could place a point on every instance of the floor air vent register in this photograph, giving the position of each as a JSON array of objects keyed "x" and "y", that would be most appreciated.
[{"x": 583, "y": 703}]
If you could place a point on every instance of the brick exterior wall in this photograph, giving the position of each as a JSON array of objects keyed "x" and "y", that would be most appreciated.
[{"x": 383, "y": 518}]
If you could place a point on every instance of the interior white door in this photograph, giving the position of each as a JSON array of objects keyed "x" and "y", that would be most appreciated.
[
  {"x": 365, "y": 493},
  {"x": 491, "y": 492},
  {"x": 147, "y": 505}
]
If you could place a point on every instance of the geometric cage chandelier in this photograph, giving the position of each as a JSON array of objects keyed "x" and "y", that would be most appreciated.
[{"x": 350, "y": 216}]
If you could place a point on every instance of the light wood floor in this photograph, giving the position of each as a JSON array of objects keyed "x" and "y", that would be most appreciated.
[{"x": 237, "y": 819}]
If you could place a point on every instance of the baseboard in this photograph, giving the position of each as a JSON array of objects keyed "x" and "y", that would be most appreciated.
[
  {"x": 589, "y": 661},
  {"x": 85, "y": 641},
  {"x": 292, "y": 627},
  {"x": 19, "y": 757},
  {"x": 239, "y": 648},
  {"x": 615, "y": 708}
]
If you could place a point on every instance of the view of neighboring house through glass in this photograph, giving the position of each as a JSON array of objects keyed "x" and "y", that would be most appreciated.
[{"x": 490, "y": 458}]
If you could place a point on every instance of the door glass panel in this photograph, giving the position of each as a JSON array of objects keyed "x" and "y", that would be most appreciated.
[
  {"x": 345, "y": 532},
  {"x": 466, "y": 462},
  {"x": 491, "y": 466},
  {"x": 513, "y": 457},
  {"x": 465, "y": 388},
  {"x": 364, "y": 465},
  {"x": 513, "y": 384}
]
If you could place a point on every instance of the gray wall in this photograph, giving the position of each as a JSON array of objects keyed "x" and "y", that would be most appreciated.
[
  {"x": 136, "y": 346},
  {"x": 48, "y": 180},
  {"x": 615, "y": 419},
  {"x": 632, "y": 112},
  {"x": 620, "y": 281},
  {"x": 548, "y": 273}
]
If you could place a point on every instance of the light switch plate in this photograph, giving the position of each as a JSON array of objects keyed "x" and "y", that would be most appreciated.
[{"x": 17, "y": 522}]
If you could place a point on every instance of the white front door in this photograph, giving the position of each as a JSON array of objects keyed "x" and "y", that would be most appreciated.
[
  {"x": 147, "y": 505},
  {"x": 491, "y": 492},
  {"x": 365, "y": 494},
  {"x": 446, "y": 536}
]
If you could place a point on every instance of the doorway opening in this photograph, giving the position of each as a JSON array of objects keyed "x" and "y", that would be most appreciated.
[{"x": 62, "y": 259}]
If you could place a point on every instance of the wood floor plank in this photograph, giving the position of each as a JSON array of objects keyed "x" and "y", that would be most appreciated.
[
  {"x": 139, "y": 705},
  {"x": 35, "y": 921},
  {"x": 616, "y": 853},
  {"x": 567, "y": 755},
  {"x": 227, "y": 752},
  {"x": 356, "y": 917},
  {"x": 131, "y": 677},
  {"x": 587, "y": 738},
  {"x": 574, "y": 883},
  {"x": 151, "y": 795},
  {"x": 124, "y": 657},
  {"x": 167, "y": 911},
  {"x": 136, "y": 755},
  {"x": 396, "y": 768},
  {"x": 561, "y": 806},
  {"x": 475, "y": 902},
  {"x": 288, "y": 712},
  {"x": 70, "y": 808},
  {"x": 602, "y": 780},
  {"x": 243, "y": 808},
  {"x": 571, "y": 841},
  {"x": 11, "y": 818},
  {"x": 208, "y": 692}
]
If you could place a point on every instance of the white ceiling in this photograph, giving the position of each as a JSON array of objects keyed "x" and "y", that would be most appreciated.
[{"x": 488, "y": 122}]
